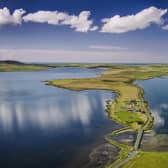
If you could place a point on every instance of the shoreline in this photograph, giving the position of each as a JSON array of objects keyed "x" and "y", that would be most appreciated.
[
  {"x": 137, "y": 118},
  {"x": 129, "y": 109},
  {"x": 124, "y": 149}
]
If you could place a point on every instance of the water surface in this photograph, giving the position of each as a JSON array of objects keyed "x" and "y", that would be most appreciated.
[
  {"x": 48, "y": 127},
  {"x": 156, "y": 93}
]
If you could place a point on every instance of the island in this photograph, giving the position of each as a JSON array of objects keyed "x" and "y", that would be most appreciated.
[{"x": 129, "y": 109}]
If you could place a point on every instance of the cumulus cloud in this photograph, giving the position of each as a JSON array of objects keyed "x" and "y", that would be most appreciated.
[
  {"x": 165, "y": 27},
  {"x": 6, "y": 18},
  {"x": 80, "y": 23},
  {"x": 141, "y": 20},
  {"x": 49, "y": 17},
  {"x": 83, "y": 23}
]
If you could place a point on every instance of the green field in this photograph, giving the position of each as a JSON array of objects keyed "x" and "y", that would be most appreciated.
[
  {"x": 21, "y": 67},
  {"x": 9, "y": 66},
  {"x": 148, "y": 160},
  {"x": 129, "y": 108},
  {"x": 118, "y": 110},
  {"x": 119, "y": 79}
]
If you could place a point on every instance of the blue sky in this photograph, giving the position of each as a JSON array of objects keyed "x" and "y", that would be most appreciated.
[{"x": 84, "y": 31}]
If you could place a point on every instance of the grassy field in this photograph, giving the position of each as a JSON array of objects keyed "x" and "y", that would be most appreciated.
[
  {"x": 129, "y": 107},
  {"x": 118, "y": 110},
  {"x": 148, "y": 160},
  {"x": 8, "y": 65},
  {"x": 21, "y": 67}
]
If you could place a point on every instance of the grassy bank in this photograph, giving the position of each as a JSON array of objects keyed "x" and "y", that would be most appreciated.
[
  {"x": 129, "y": 108},
  {"x": 4, "y": 67},
  {"x": 124, "y": 149},
  {"x": 148, "y": 160},
  {"x": 10, "y": 66}
]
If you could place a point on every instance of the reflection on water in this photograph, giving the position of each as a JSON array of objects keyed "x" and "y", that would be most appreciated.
[
  {"x": 55, "y": 112},
  {"x": 159, "y": 120},
  {"x": 44, "y": 126},
  {"x": 156, "y": 93}
]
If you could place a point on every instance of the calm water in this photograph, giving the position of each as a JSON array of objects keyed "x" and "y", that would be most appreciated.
[
  {"x": 49, "y": 127},
  {"x": 156, "y": 93}
]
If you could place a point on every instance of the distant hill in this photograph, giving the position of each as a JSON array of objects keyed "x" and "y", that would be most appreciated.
[
  {"x": 11, "y": 62},
  {"x": 13, "y": 66}
]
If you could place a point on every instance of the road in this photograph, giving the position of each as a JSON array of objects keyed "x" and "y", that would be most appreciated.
[
  {"x": 138, "y": 139},
  {"x": 130, "y": 156},
  {"x": 137, "y": 144}
]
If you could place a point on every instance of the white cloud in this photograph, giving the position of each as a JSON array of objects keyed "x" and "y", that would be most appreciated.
[
  {"x": 94, "y": 28},
  {"x": 6, "y": 18},
  {"x": 83, "y": 23},
  {"x": 49, "y": 17},
  {"x": 165, "y": 27},
  {"x": 141, "y": 20},
  {"x": 107, "y": 47},
  {"x": 80, "y": 23}
]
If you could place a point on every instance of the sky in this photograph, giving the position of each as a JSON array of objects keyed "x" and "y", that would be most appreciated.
[{"x": 99, "y": 31}]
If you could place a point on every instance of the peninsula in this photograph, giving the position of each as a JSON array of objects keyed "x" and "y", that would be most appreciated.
[{"x": 130, "y": 109}]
